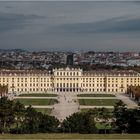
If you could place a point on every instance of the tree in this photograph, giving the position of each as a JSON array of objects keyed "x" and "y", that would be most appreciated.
[
  {"x": 48, "y": 124},
  {"x": 6, "y": 114},
  {"x": 134, "y": 91},
  {"x": 133, "y": 120},
  {"x": 105, "y": 117},
  {"x": 31, "y": 121},
  {"x": 79, "y": 123},
  {"x": 19, "y": 116},
  {"x": 15, "y": 118},
  {"x": 3, "y": 90},
  {"x": 121, "y": 116},
  {"x": 37, "y": 122}
]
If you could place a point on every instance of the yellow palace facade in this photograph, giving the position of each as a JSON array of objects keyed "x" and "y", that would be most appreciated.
[{"x": 68, "y": 80}]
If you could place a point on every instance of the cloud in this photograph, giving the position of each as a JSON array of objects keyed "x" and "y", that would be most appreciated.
[
  {"x": 15, "y": 21},
  {"x": 113, "y": 25},
  {"x": 70, "y": 25}
]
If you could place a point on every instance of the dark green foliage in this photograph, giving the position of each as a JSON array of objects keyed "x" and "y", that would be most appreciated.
[
  {"x": 79, "y": 123},
  {"x": 15, "y": 118},
  {"x": 127, "y": 120},
  {"x": 120, "y": 113},
  {"x": 31, "y": 121},
  {"x": 6, "y": 114},
  {"x": 48, "y": 124},
  {"x": 85, "y": 122},
  {"x": 19, "y": 116},
  {"x": 133, "y": 121}
]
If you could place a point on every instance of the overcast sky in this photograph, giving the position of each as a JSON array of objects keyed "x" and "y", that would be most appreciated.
[{"x": 70, "y": 26}]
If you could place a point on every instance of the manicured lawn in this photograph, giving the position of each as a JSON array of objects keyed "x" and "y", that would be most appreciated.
[
  {"x": 102, "y": 126},
  {"x": 71, "y": 136},
  {"x": 37, "y": 101},
  {"x": 98, "y": 102},
  {"x": 95, "y": 95},
  {"x": 38, "y": 95},
  {"x": 44, "y": 110}
]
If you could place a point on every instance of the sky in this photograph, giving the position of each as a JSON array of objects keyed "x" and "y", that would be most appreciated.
[{"x": 70, "y": 26}]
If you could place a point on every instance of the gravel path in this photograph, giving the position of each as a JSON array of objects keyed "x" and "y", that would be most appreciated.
[
  {"x": 90, "y": 107},
  {"x": 96, "y": 97},
  {"x": 18, "y": 97},
  {"x": 41, "y": 106},
  {"x": 67, "y": 105},
  {"x": 127, "y": 100}
]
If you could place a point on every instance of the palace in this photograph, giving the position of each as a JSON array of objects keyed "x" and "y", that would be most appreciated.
[{"x": 68, "y": 80}]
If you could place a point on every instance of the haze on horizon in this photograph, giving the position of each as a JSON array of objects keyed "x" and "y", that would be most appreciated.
[{"x": 70, "y": 26}]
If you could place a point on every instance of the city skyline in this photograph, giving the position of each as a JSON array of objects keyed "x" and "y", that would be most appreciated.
[{"x": 70, "y": 26}]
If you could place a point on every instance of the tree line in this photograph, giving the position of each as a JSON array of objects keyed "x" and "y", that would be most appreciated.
[
  {"x": 16, "y": 119},
  {"x": 3, "y": 90},
  {"x": 134, "y": 93},
  {"x": 120, "y": 120}
]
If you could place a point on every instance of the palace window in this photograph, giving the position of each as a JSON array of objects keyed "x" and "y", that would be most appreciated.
[{"x": 25, "y": 79}]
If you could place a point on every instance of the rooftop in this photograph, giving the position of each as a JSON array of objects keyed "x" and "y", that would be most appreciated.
[
  {"x": 85, "y": 73},
  {"x": 111, "y": 73}
]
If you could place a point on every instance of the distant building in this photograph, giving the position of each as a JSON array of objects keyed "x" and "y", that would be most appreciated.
[
  {"x": 134, "y": 62},
  {"x": 68, "y": 80},
  {"x": 70, "y": 59}
]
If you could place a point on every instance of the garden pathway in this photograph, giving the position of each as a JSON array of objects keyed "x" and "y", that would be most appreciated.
[
  {"x": 67, "y": 105},
  {"x": 127, "y": 100},
  {"x": 20, "y": 97}
]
